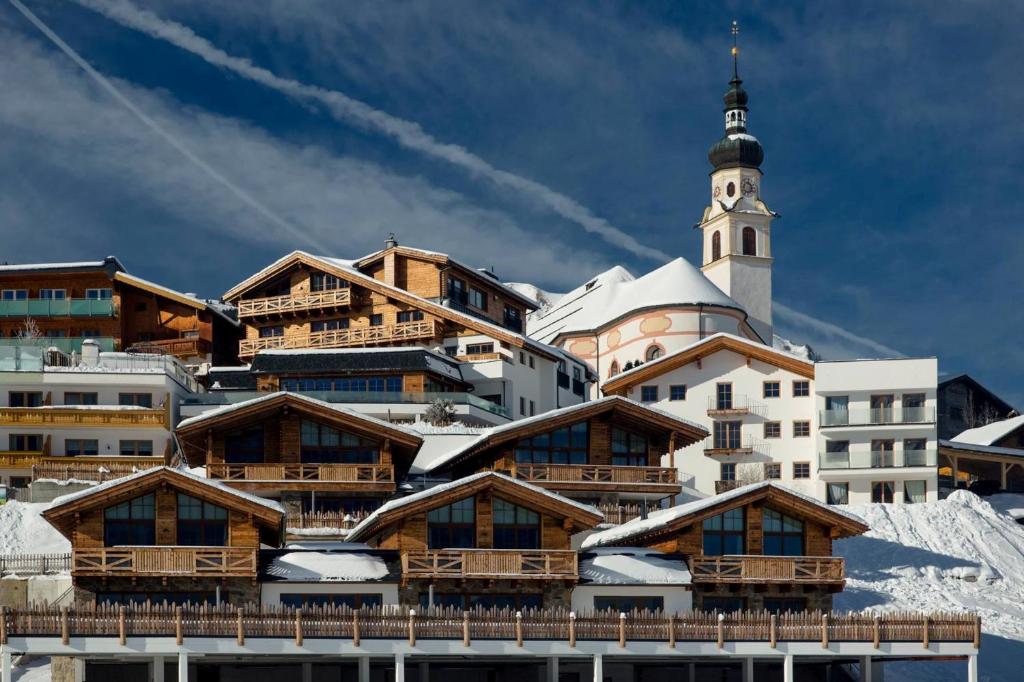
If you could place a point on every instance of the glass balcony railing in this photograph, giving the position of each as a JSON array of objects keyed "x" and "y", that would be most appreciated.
[
  {"x": 876, "y": 459},
  {"x": 404, "y": 397},
  {"x": 66, "y": 307},
  {"x": 27, "y": 354},
  {"x": 870, "y": 417}
]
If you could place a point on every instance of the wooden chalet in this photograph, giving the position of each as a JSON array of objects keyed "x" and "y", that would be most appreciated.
[
  {"x": 312, "y": 455},
  {"x": 758, "y": 547},
  {"x": 486, "y": 539},
  {"x": 605, "y": 451},
  {"x": 165, "y": 535}
]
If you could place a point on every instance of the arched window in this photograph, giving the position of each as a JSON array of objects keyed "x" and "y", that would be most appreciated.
[
  {"x": 654, "y": 351},
  {"x": 614, "y": 369},
  {"x": 749, "y": 242},
  {"x": 716, "y": 246}
]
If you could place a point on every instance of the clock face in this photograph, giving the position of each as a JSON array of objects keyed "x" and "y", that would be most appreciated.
[
  {"x": 748, "y": 187},
  {"x": 717, "y": 192}
]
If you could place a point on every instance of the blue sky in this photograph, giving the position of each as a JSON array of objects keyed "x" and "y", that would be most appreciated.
[{"x": 548, "y": 140}]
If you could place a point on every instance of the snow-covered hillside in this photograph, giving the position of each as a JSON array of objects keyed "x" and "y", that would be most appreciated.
[
  {"x": 961, "y": 553},
  {"x": 24, "y": 531}
]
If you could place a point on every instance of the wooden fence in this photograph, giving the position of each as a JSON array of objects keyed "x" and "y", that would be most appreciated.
[
  {"x": 34, "y": 564},
  {"x": 326, "y": 519},
  {"x": 594, "y": 473},
  {"x": 392, "y": 622}
]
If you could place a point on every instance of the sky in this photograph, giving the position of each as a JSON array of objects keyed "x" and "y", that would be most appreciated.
[{"x": 549, "y": 141}]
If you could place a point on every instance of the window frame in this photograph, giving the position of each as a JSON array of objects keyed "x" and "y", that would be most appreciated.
[
  {"x": 452, "y": 528},
  {"x": 723, "y": 533},
  {"x": 782, "y": 534},
  {"x": 526, "y": 534},
  {"x": 205, "y": 526},
  {"x": 801, "y": 425},
  {"x": 646, "y": 391},
  {"x": 776, "y": 389},
  {"x": 798, "y": 471},
  {"x": 146, "y": 525},
  {"x": 776, "y": 428},
  {"x": 801, "y": 388},
  {"x": 677, "y": 392}
]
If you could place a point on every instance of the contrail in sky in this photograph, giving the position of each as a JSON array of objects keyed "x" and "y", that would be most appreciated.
[{"x": 103, "y": 82}]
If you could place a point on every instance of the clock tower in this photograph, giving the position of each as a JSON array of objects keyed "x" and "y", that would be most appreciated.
[{"x": 736, "y": 226}]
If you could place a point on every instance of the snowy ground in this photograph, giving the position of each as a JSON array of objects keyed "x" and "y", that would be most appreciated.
[{"x": 23, "y": 530}]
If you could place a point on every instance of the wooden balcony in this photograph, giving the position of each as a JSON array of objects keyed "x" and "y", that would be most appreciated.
[
  {"x": 164, "y": 561},
  {"x": 289, "y": 304},
  {"x": 347, "y": 338},
  {"x": 83, "y": 417},
  {"x": 182, "y": 349},
  {"x": 19, "y": 459},
  {"x": 89, "y": 468},
  {"x": 353, "y": 477},
  {"x": 768, "y": 569},
  {"x": 594, "y": 476},
  {"x": 540, "y": 564}
]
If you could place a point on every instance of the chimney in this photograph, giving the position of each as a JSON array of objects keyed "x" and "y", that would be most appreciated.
[
  {"x": 389, "y": 259},
  {"x": 90, "y": 353},
  {"x": 390, "y": 242}
]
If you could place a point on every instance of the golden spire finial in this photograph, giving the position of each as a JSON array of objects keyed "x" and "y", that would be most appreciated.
[{"x": 735, "y": 48}]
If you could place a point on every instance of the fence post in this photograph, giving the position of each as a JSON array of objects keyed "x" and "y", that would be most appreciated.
[
  {"x": 519, "y": 628},
  {"x": 824, "y": 631},
  {"x": 355, "y": 628},
  {"x": 412, "y": 627},
  {"x": 924, "y": 638},
  {"x": 64, "y": 633},
  {"x": 298, "y": 627},
  {"x": 672, "y": 631},
  {"x": 121, "y": 625},
  {"x": 3, "y": 625},
  {"x": 239, "y": 633},
  {"x": 876, "y": 631},
  {"x": 465, "y": 628},
  {"x": 773, "y": 635},
  {"x": 977, "y": 632},
  {"x": 572, "y": 629},
  {"x": 721, "y": 630},
  {"x": 622, "y": 629},
  {"x": 178, "y": 638}
]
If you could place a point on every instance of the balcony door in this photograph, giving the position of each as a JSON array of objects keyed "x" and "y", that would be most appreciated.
[
  {"x": 322, "y": 444},
  {"x": 130, "y": 523},
  {"x": 723, "y": 397},
  {"x": 725, "y": 533},
  {"x": 515, "y": 527},
  {"x": 837, "y": 410},
  {"x": 881, "y": 409},
  {"x": 201, "y": 524},
  {"x": 727, "y": 435},
  {"x": 883, "y": 453},
  {"x": 452, "y": 526},
  {"x": 244, "y": 446},
  {"x": 783, "y": 535}
]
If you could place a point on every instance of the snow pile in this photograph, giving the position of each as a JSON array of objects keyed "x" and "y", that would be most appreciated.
[
  {"x": 328, "y": 567},
  {"x": 545, "y": 299},
  {"x": 24, "y": 531},
  {"x": 960, "y": 553}
]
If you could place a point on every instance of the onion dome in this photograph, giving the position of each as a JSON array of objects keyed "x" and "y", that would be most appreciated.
[{"x": 737, "y": 148}]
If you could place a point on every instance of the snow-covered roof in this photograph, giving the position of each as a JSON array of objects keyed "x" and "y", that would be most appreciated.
[
  {"x": 438, "y": 444},
  {"x": 432, "y": 359},
  {"x": 226, "y": 409},
  {"x": 986, "y": 449},
  {"x": 371, "y": 520},
  {"x": 632, "y": 566},
  {"x": 195, "y": 301},
  {"x": 346, "y": 566},
  {"x": 139, "y": 475},
  {"x": 72, "y": 265},
  {"x": 990, "y": 433},
  {"x": 662, "y": 518},
  {"x": 616, "y": 293},
  {"x": 497, "y": 431}
]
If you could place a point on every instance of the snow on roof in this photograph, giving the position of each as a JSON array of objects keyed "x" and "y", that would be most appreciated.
[
  {"x": 551, "y": 414},
  {"x": 435, "y": 360},
  {"x": 632, "y": 566},
  {"x": 17, "y": 267},
  {"x": 391, "y": 505},
  {"x": 103, "y": 487},
  {"x": 990, "y": 433},
  {"x": 664, "y": 517},
  {"x": 302, "y": 398},
  {"x": 438, "y": 444},
  {"x": 328, "y": 566},
  {"x": 616, "y": 293},
  {"x": 988, "y": 449}
]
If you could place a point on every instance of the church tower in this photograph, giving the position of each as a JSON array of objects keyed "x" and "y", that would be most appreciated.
[{"x": 736, "y": 225}]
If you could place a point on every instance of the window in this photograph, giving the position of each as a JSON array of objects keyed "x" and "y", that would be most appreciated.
[
  {"x": 522, "y": 406},
  {"x": 453, "y": 525},
  {"x": 727, "y": 471},
  {"x": 726, "y": 435},
  {"x": 773, "y": 429},
  {"x": 477, "y": 298},
  {"x": 723, "y": 397},
  {"x": 779, "y": 605},
  {"x": 614, "y": 368},
  {"x": 137, "y": 399},
  {"x": 479, "y": 348},
  {"x": 88, "y": 332},
  {"x": 272, "y": 331},
  {"x": 881, "y": 409},
  {"x": 533, "y": 408},
  {"x": 53, "y": 294},
  {"x": 626, "y": 604},
  {"x": 837, "y": 493},
  {"x": 801, "y": 469},
  {"x": 80, "y": 398},
  {"x": 915, "y": 492},
  {"x": 801, "y": 389},
  {"x": 772, "y": 471},
  {"x": 723, "y": 534},
  {"x": 883, "y": 453},
  {"x": 130, "y": 523},
  {"x": 522, "y": 358},
  {"x": 136, "y": 448},
  {"x": 410, "y": 316},
  {"x": 716, "y": 246},
  {"x": 648, "y": 394},
  {"x": 322, "y": 444},
  {"x": 14, "y": 294},
  {"x": 56, "y": 333},
  {"x": 654, "y": 352},
  {"x": 783, "y": 535},
  {"x": 81, "y": 446},
  {"x": 200, "y": 523},
  {"x": 837, "y": 454},
  {"x": 567, "y": 445},
  {"x": 577, "y": 374},
  {"x": 457, "y": 290},
  {"x": 749, "y": 242},
  {"x": 529, "y": 359},
  {"x": 376, "y": 320},
  {"x": 99, "y": 294},
  {"x": 320, "y": 281},
  {"x": 837, "y": 410},
  {"x": 244, "y": 446},
  {"x": 677, "y": 392},
  {"x": 515, "y": 527},
  {"x": 24, "y": 398},
  {"x": 23, "y": 442},
  {"x": 771, "y": 389},
  {"x": 914, "y": 454},
  {"x": 628, "y": 449},
  {"x": 801, "y": 429},
  {"x": 882, "y": 492},
  {"x": 513, "y": 319},
  {"x": 913, "y": 407},
  {"x": 730, "y": 189},
  {"x": 352, "y": 601},
  {"x": 723, "y": 604},
  {"x": 451, "y": 351},
  {"x": 328, "y": 325}
]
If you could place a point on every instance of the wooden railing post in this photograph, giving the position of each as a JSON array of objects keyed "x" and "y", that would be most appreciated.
[
  {"x": 977, "y": 632},
  {"x": 622, "y": 630},
  {"x": 298, "y": 627},
  {"x": 355, "y": 628},
  {"x": 824, "y": 631},
  {"x": 465, "y": 628},
  {"x": 239, "y": 633},
  {"x": 876, "y": 631},
  {"x": 121, "y": 625},
  {"x": 721, "y": 630},
  {"x": 572, "y": 629},
  {"x": 773, "y": 633},
  {"x": 672, "y": 631},
  {"x": 64, "y": 630},
  {"x": 178, "y": 637},
  {"x": 924, "y": 633},
  {"x": 519, "y": 628},
  {"x": 3, "y": 625},
  {"x": 412, "y": 627}
]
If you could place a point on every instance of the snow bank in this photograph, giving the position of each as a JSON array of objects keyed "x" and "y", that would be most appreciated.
[{"x": 24, "y": 531}]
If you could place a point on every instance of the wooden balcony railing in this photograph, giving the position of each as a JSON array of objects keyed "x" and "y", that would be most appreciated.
[
  {"x": 767, "y": 569},
  {"x": 325, "y": 519},
  {"x": 491, "y": 563},
  {"x": 345, "y": 338},
  {"x": 180, "y": 348},
  {"x": 341, "y": 473},
  {"x": 89, "y": 468},
  {"x": 19, "y": 459},
  {"x": 594, "y": 473},
  {"x": 280, "y": 305},
  {"x": 621, "y": 513},
  {"x": 162, "y": 561},
  {"x": 82, "y": 416}
]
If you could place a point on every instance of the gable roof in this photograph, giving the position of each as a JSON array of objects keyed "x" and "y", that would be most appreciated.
[
  {"x": 171, "y": 294},
  {"x": 671, "y": 520},
  {"x": 373, "y": 359},
  {"x": 977, "y": 386},
  {"x": 546, "y": 501},
  {"x": 347, "y": 270},
  {"x": 63, "y": 509},
  {"x": 73, "y": 266},
  {"x": 990, "y": 433},
  {"x": 703, "y": 348},
  {"x": 569, "y": 415},
  {"x": 616, "y": 293}
]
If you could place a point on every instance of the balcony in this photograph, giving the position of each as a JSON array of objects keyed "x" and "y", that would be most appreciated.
[
  {"x": 89, "y": 468},
  {"x": 721, "y": 447},
  {"x": 878, "y": 416},
  {"x": 621, "y": 513},
  {"x": 57, "y": 307},
  {"x": 593, "y": 476},
  {"x": 84, "y": 416},
  {"x": 19, "y": 459},
  {"x": 366, "y": 477},
  {"x": 543, "y": 564},
  {"x": 164, "y": 561},
  {"x": 423, "y": 330},
  {"x": 768, "y": 569},
  {"x": 877, "y": 459},
  {"x": 288, "y": 304},
  {"x": 180, "y": 348},
  {"x": 736, "y": 406}
]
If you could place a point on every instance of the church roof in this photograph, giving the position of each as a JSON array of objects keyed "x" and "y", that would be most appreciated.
[{"x": 616, "y": 293}]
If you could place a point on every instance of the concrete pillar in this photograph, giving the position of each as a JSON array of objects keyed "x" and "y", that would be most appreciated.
[
  {"x": 364, "y": 668},
  {"x": 972, "y": 668},
  {"x": 5, "y": 665},
  {"x": 158, "y": 668},
  {"x": 552, "y": 669},
  {"x": 691, "y": 672},
  {"x": 399, "y": 667},
  {"x": 865, "y": 669},
  {"x": 307, "y": 672},
  {"x": 748, "y": 669},
  {"x": 598, "y": 668},
  {"x": 787, "y": 668},
  {"x": 423, "y": 674},
  {"x": 78, "y": 666},
  {"x": 182, "y": 666}
]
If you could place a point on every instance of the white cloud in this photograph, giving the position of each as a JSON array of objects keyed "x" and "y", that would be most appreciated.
[{"x": 829, "y": 340}]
